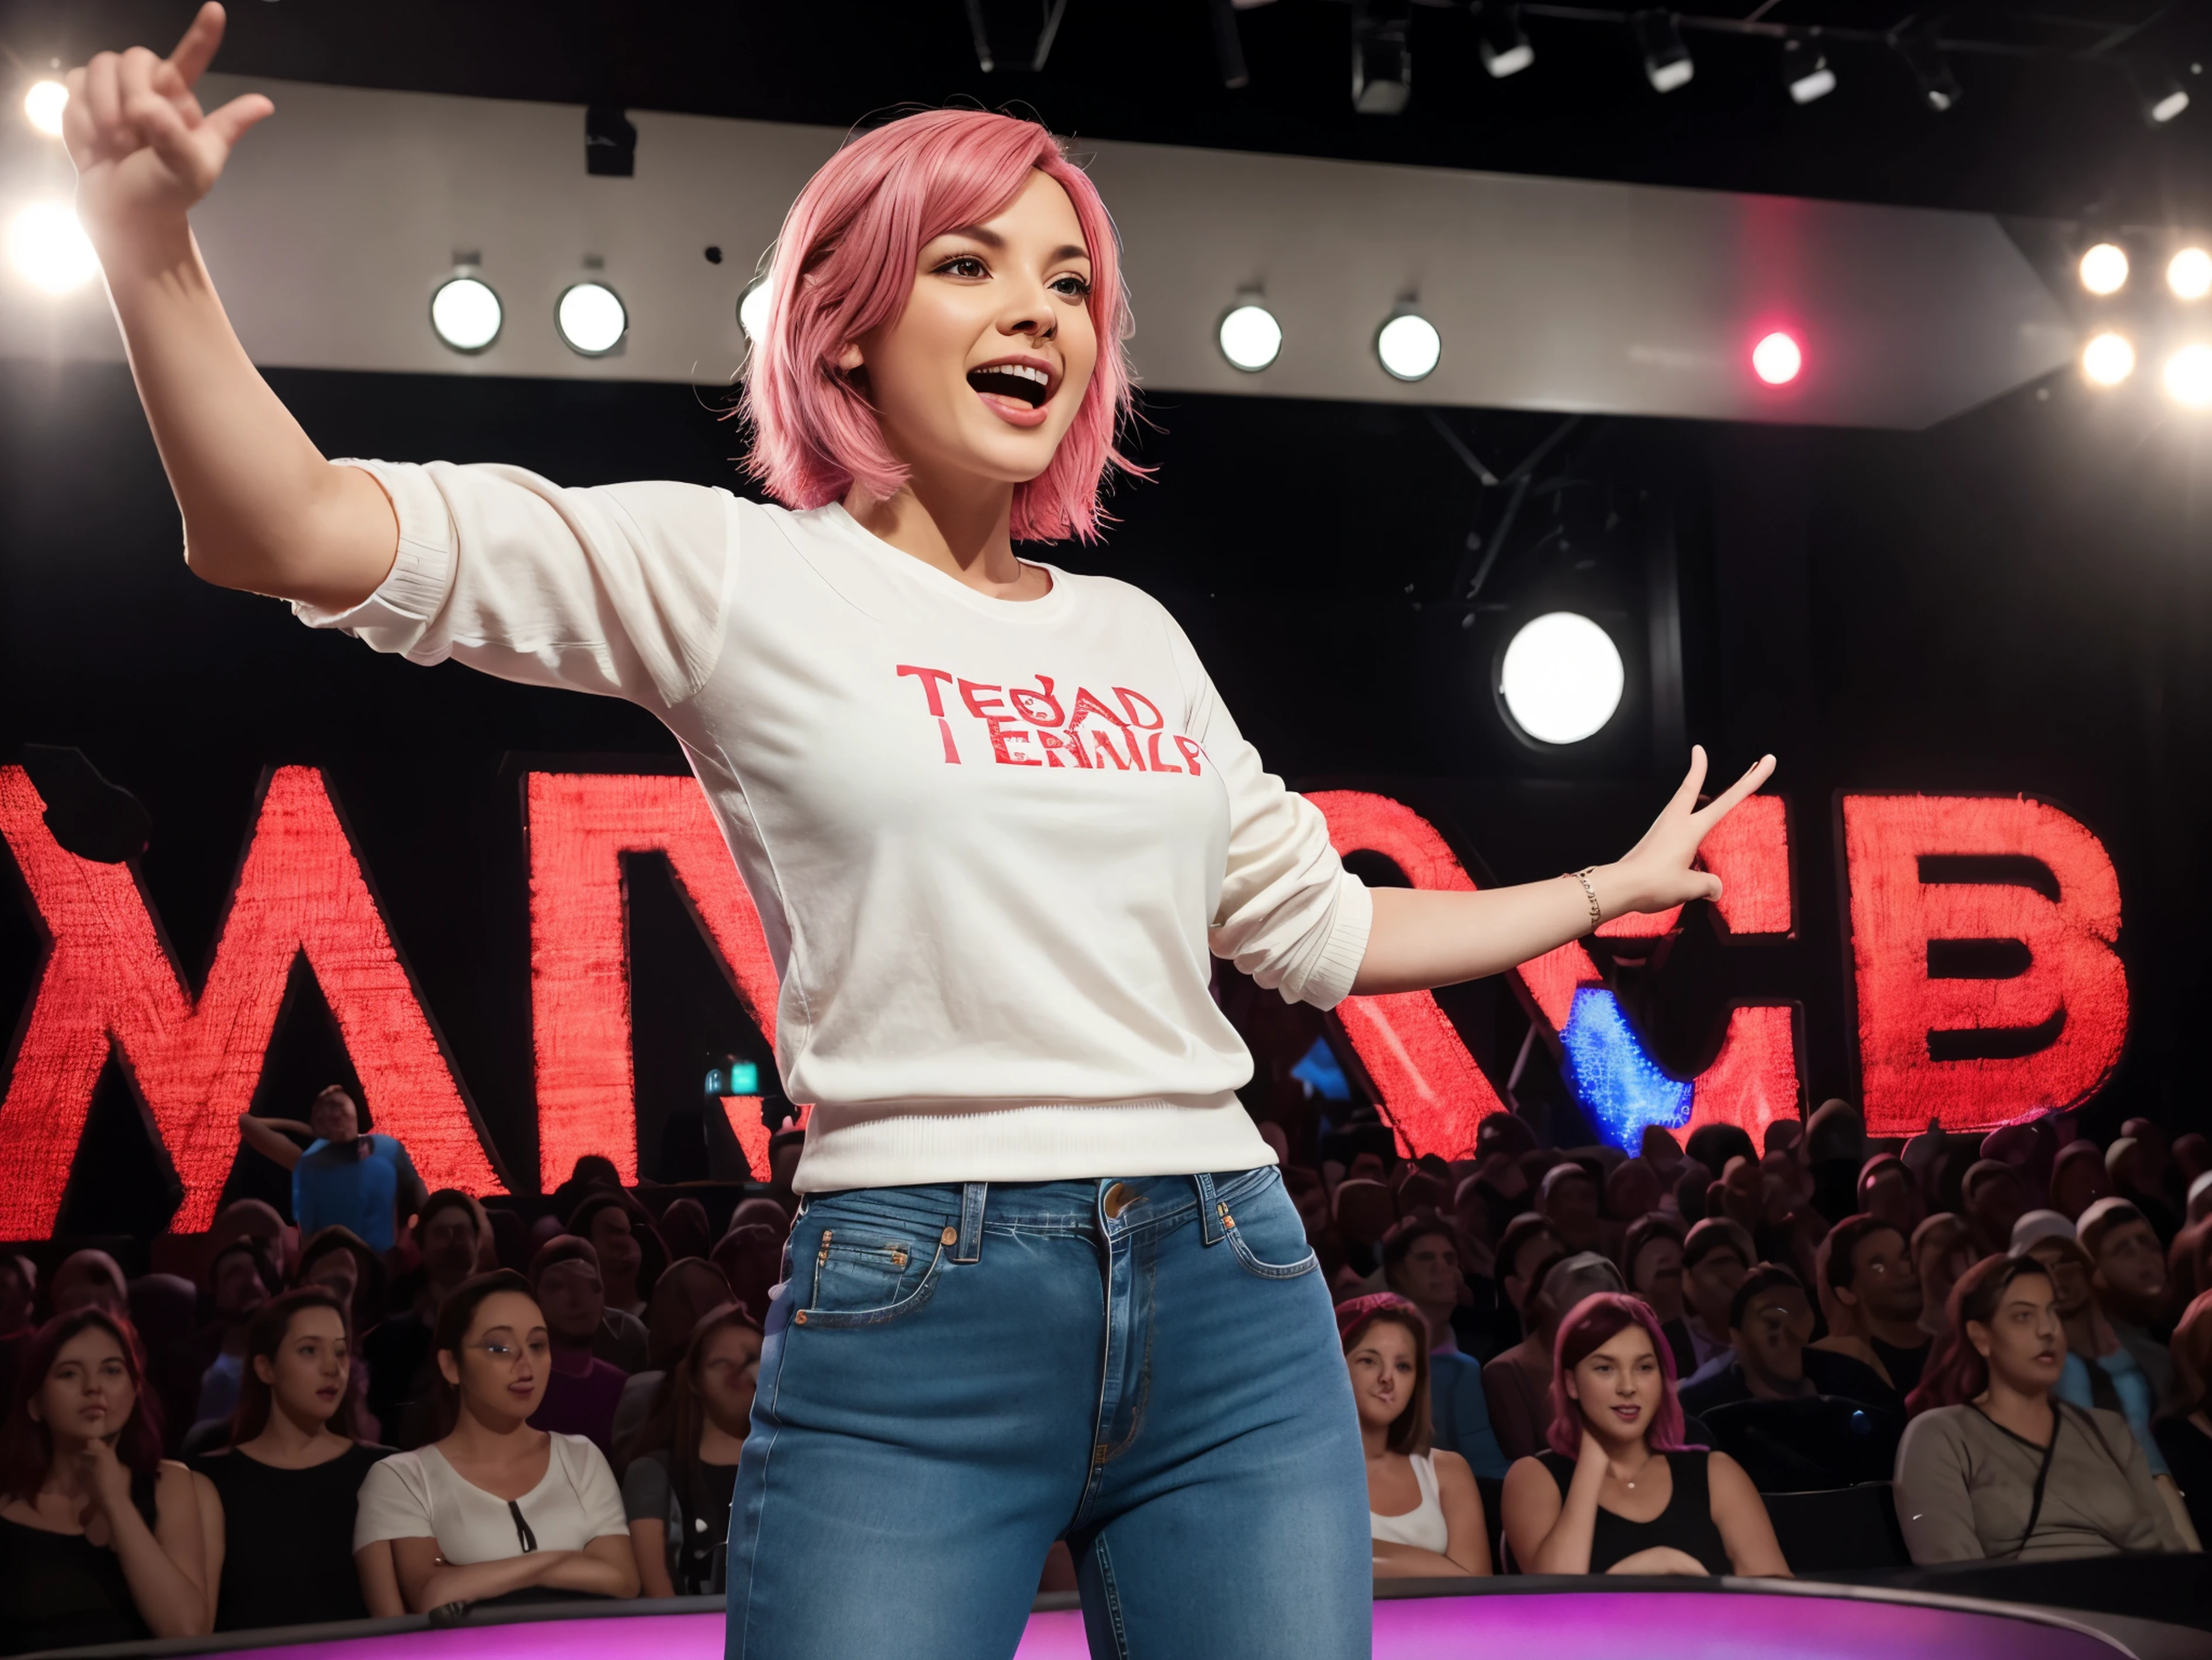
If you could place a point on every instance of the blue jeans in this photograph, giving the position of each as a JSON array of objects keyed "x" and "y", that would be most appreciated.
[{"x": 955, "y": 1377}]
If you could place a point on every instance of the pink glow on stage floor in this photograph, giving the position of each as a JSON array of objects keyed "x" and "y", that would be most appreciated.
[{"x": 1563, "y": 1626}]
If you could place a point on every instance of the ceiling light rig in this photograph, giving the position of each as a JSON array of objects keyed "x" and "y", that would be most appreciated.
[
  {"x": 1923, "y": 54},
  {"x": 1667, "y": 62},
  {"x": 1805, "y": 70},
  {"x": 1382, "y": 56},
  {"x": 1503, "y": 40}
]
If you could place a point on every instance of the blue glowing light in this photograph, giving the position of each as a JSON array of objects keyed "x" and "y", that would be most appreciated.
[
  {"x": 1320, "y": 1073},
  {"x": 1617, "y": 1081}
]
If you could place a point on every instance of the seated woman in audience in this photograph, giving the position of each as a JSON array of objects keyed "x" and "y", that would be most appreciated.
[
  {"x": 1994, "y": 1465},
  {"x": 682, "y": 1463},
  {"x": 2184, "y": 1433},
  {"x": 685, "y": 1293},
  {"x": 1423, "y": 1507},
  {"x": 493, "y": 1510},
  {"x": 279, "y": 1546},
  {"x": 100, "y": 1536},
  {"x": 1616, "y": 1490}
]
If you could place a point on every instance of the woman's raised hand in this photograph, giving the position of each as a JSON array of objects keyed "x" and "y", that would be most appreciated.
[
  {"x": 145, "y": 152},
  {"x": 1655, "y": 873}
]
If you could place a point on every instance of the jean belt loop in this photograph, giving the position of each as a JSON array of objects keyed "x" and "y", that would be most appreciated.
[
  {"x": 1209, "y": 1209},
  {"x": 969, "y": 1247}
]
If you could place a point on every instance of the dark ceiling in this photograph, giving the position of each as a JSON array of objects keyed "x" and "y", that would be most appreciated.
[{"x": 2048, "y": 125}]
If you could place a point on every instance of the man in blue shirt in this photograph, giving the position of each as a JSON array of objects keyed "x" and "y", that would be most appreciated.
[{"x": 365, "y": 1182}]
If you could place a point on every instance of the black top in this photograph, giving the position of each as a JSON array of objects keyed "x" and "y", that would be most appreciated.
[
  {"x": 287, "y": 1539},
  {"x": 1904, "y": 1366},
  {"x": 1687, "y": 1523},
  {"x": 61, "y": 1590},
  {"x": 2188, "y": 1452}
]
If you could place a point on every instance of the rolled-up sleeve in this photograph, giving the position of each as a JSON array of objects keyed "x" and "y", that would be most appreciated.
[{"x": 618, "y": 589}]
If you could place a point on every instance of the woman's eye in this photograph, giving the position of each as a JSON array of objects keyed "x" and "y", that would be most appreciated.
[
  {"x": 1075, "y": 287},
  {"x": 965, "y": 265}
]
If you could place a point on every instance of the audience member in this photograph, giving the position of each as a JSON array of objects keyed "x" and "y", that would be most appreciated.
[
  {"x": 2130, "y": 1280},
  {"x": 1887, "y": 1191},
  {"x": 750, "y": 1257},
  {"x": 1363, "y": 1211},
  {"x": 1615, "y": 1491},
  {"x": 1526, "y": 1245},
  {"x": 1716, "y": 1255},
  {"x": 582, "y": 1391},
  {"x": 90, "y": 1279},
  {"x": 2136, "y": 1175},
  {"x": 280, "y": 1550},
  {"x": 604, "y": 1219},
  {"x": 2184, "y": 1432},
  {"x": 343, "y": 1177},
  {"x": 494, "y": 1507},
  {"x": 1714, "y": 1145},
  {"x": 1568, "y": 1199},
  {"x": 685, "y": 1230},
  {"x": 1770, "y": 1324},
  {"x": 339, "y": 1259},
  {"x": 1424, "y": 1509},
  {"x": 1835, "y": 1148},
  {"x": 1658, "y": 1148},
  {"x": 2028, "y": 1146},
  {"x": 681, "y": 1465},
  {"x": 1651, "y": 1261},
  {"x": 1994, "y": 1466},
  {"x": 1942, "y": 1250},
  {"x": 2191, "y": 1250},
  {"x": 449, "y": 1232},
  {"x": 100, "y": 1536},
  {"x": 1420, "y": 1264},
  {"x": 1867, "y": 1270},
  {"x": 2078, "y": 1179},
  {"x": 1994, "y": 1201},
  {"x": 684, "y": 1294},
  {"x": 592, "y": 1173},
  {"x": 1515, "y": 1382},
  {"x": 240, "y": 1279}
]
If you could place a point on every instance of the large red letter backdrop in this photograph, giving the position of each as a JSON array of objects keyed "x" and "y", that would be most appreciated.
[
  {"x": 109, "y": 980},
  {"x": 2074, "y": 981}
]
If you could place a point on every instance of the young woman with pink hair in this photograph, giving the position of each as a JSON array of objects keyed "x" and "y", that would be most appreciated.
[
  {"x": 1047, "y": 1282},
  {"x": 1617, "y": 1491}
]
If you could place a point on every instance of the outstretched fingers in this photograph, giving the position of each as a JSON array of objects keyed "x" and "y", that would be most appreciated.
[
  {"x": 1720, "y": 806},
  {"x": 232, "y": 120},
  {"x": 1686, "y": 798},
  {"x": 195, "y": 49}
]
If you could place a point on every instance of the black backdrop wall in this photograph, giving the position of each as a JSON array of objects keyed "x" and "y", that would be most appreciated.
[{"x": 2020, "y": 601}]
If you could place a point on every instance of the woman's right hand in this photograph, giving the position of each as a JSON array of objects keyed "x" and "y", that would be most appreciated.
[{"x": 145, "y": 152}]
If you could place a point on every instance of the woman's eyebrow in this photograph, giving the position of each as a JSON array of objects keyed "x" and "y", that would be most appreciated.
[{"x": 991, "y": 239}]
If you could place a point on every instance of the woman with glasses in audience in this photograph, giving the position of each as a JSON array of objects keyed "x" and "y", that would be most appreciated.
[
  {"x": 99, "y": 1534},
  {"x": 682, "y": 1463},
  {"x": 1994, "y": 1465},
  {"x": 493, "y": 1511},
  {"x": 1424, "y": 1511},
  {"x": 280, "y": 1541},
  {"x": 1617, "y": 1491}
]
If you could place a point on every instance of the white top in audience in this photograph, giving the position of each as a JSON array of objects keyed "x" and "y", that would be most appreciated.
[
  {"x": 418, "y": 1495},
  {"x": 1424, "y": 1526}
]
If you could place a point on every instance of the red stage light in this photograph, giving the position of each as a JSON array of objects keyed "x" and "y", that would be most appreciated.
[
  {"x": 579, "y": 825},
  {"x": 108, "y": 980},
  {"x": 1778, "y": 359},
  {"x": 2075, "y": 982}
]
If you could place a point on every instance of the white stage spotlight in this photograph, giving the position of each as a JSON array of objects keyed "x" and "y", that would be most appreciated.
[
  {"x": 49, "y": 248},
  {"x": 756, "y": 306},
  {"x": 2188, "y": 274},
  {"x": 591, "y": 319},
  {"x": 1250, "y": 336},
  {"x": 1777, "y": 359},
  {"x": 2188, "y": 377},
  {"x": 1805, "y": 71},
  {"x": 1666, "y": 61},
  {"x": 42, "y": 106},
  {"x": 2105, "y": 268},
  {"x": 465, "y": 313},
  {"x": 1409, "y": 347},
  {"x": 1561, "y": 677},
  {"x": 1504, "y": 43},
  {"x": 2107, "y": 360}
]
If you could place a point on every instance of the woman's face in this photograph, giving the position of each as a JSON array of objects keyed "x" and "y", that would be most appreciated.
[
  {"x": 729, "y": 1371},
  {"x": 1383, "y": 1366},
  {"x": 1619, "y": 1385},
  {"x": 307, "y": 1375},
  {"x": 87, "y": 1394},
  {"x": 336, "y": 1271},
  {"x": 1013, "y": 293},
  {"x": 501, "y": 1370},
  {"x": 2025, "y": 1341}
]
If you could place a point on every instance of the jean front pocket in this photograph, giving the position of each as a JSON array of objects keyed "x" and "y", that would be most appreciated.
[
  {"x": 861, "y": 1277},
  {"x": 1267, "y": 1234}
]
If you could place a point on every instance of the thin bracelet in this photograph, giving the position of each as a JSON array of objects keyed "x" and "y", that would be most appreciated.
[{"x": 1583, "y": 875}]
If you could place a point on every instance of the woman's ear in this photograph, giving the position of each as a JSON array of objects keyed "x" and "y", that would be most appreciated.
[
  {"x": 264, "y": 1369},
  {"x": 1573, "y": 1389},
  {"x": 1979, "y": 1335},
  {"x": 851, "y": 358},
  {"x": 449, "y": 1367}
]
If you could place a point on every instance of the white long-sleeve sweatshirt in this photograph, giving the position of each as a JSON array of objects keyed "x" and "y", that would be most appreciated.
[{"x": 992, "y": 841}]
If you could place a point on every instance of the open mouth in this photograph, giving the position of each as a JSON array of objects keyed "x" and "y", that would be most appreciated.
[{"x": 1018, "y": 381}]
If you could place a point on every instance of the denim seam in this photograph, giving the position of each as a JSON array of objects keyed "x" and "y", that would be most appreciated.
[{"x": 1113, "y": 1595}]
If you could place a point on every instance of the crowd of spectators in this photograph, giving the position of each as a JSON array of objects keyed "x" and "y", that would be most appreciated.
[{"x": 1563, "y": 1360}]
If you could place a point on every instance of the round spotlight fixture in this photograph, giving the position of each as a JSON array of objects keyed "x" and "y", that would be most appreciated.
[
  {"x": 756, "y": 306},
  {"x": 42, "y": 106},
  {"x": 1250, "y": 337},
  {"x": 49, "y": 248},
  {"x": 591, "y": 319},
  {"x": 2104, "y": 269},
  {"x": 1561, "y": 677},
  {"x": 2188, "y": 274},
  {"x": 1408, "y": 347},
  {"x": 2107, "y": 360},
  {"x": 466, "y": 313},
  {"x": 1778, "y": 359},
  {"x": 2188, "y": 377}
]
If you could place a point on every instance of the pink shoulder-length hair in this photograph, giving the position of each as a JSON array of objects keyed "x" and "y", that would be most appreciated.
[
  {"x": 1590, "y": 1326},
  {"x": 845, "y": 264}
]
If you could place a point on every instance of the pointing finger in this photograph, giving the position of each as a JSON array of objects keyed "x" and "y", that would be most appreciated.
[
  {"x": 196, "y": 49},
  {"x": 1687, "y": 797},
  {"x": 1760, "y": 771},
  {"x": 245, "y": 111}
]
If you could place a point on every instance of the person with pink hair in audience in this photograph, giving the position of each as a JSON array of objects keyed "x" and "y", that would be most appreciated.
[{"x": 1615, "y": 1490}]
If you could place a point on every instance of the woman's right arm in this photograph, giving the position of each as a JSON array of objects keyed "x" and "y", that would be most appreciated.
[
  {"x": 263, "y": 510},
  {"x": 1550, "y": 1534}
]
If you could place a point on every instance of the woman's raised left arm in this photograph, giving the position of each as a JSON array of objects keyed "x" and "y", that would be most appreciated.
[{"x": 1422, "y": 937}]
